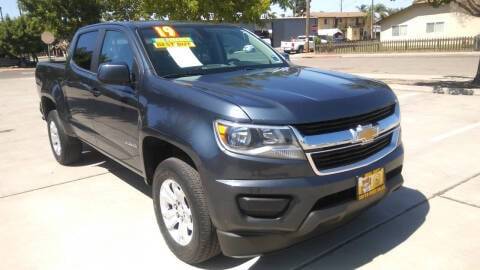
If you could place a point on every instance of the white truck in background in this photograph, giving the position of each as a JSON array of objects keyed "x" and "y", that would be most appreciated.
[{"x": 298, "y": 45}]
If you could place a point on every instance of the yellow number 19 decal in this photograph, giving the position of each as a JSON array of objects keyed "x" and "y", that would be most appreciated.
[{"x": 166, "y": 31}]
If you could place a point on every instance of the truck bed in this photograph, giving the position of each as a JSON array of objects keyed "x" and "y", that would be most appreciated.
[{"x": 49, "y": 72}]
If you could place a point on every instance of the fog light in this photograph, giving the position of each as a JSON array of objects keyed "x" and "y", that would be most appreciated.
[{"x": 261, "y": 207}]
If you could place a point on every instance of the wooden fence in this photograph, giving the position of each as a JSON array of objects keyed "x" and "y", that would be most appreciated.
[{"x": 411, "y": 45}]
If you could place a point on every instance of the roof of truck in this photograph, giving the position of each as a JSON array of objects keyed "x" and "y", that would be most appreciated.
[{"x": 142, "y": 24}]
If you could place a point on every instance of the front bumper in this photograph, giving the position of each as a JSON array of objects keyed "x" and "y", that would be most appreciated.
[{"x": 317, "y": 204}]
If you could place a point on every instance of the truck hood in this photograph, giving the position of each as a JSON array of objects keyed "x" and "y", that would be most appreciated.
[{"x": 295, "y": 95}]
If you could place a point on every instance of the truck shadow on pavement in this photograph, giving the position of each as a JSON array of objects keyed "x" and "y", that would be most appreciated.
[
  {"x": 328, "y": 250},
  {"x": 93, "y": 157}
]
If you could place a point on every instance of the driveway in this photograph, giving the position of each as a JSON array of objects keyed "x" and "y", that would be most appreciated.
[{"x": 97, "y": 215}]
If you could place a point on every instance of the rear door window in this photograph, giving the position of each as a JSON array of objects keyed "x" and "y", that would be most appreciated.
[{"x": 83, "y": 53}]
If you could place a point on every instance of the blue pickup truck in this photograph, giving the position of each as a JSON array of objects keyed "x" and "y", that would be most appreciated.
[{"x": 246, "y": 153}]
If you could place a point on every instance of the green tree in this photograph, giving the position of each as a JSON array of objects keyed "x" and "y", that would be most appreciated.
[
  {"x": 297, "y": 6},
  {"x": 21, "y": 37},
  {"x": 380, "y": 9},
  {"x": 234, "y": 11},
  {"x": 472, "y": 6},
  {"x": 63, "y": 17},
  {"x": 123, "y": 10}
]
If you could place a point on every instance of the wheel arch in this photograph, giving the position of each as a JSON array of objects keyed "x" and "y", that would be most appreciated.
[
  {"x": 155, "y": 150},
  {"x": 47, "y": 104}
]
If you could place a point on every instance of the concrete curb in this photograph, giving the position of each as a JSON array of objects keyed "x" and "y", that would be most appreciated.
[
  {"x": 413, "y": 77},
  {"x": 372, "y": 55},
  {"x": 4, "y": 69},
  {"x": 406, "y": 82},
  {"x": 435, "y": 90}
]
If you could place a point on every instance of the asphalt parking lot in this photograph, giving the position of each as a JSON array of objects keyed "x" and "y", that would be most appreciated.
[{"x": 97, "y": 215}]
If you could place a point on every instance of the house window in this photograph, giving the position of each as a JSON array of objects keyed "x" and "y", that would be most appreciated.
[
  {"x": 340, "y": 20},
  {"x": 325, "y": 21},
  {"x": 439, "y": 26},
  {"x": 399, "y": 30},
  {"x": 436, "y": 27}
]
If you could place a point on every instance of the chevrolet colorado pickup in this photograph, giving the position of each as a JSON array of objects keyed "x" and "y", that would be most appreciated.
[{"x": 246, "y": 153}]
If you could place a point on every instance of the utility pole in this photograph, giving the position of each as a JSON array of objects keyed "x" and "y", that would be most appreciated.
[
  {"x": 19, "y": 9},
  {"x": 341, "y": 5},
  {"x": 372, "y": 19},
  {"x": 1, "y": 14},
  {"x": 307, "y": 27}
]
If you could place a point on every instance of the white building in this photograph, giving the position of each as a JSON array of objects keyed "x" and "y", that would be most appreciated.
[{"x": 422, "y": 20}]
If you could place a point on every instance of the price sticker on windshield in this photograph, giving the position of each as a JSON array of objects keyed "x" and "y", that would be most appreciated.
[
  {"x": 169, "y": 38},
  {"x": 179, "y": 42},
  {"x": 166, "y": 31}
]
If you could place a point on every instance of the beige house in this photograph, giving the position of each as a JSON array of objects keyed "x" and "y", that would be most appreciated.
[
  {"x": 421, "y": 20},
  {"x": 351, "y": 23}
]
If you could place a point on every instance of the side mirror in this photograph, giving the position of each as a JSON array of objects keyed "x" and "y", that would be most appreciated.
[
  {"x": 286, "y": 56},
  {"x": 114, "y": 73}
]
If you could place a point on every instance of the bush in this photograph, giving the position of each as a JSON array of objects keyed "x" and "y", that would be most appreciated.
[{"x": 20, "y": 37}]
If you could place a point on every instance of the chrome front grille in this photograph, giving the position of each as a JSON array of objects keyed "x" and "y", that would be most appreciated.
[
  {"x": 341, "y": 150},
  {"x": 333, "y": 158}
]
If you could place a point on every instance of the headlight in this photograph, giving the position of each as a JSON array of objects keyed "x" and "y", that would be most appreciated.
[{"x": 255, "y": 140}]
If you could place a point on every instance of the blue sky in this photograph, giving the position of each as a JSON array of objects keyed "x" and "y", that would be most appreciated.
[
  {"x": 10, "y": 6},
  {"x": 348, "y": 5}
]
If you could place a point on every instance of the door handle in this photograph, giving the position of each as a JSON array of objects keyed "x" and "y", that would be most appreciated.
[{"x": 95, "y": 92}]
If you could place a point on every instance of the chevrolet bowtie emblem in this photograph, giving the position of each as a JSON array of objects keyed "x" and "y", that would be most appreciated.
[{"x": 364, "y": 133}]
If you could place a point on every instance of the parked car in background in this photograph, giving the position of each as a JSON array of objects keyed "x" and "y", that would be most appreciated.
[
  {"x": 333, "y": 35},
  {"x": 264, "y": 35},
  {"x": 297, "y": 45},
  {"x": 17, "y": 62}
]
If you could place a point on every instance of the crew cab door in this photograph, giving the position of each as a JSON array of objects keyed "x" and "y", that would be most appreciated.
[
  {"x": 117, "y": 115},
  {"x": 78, "y": 86}
]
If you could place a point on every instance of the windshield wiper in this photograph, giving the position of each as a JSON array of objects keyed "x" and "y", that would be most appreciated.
[
  {"x": 186, "y": 74},
  {"x": 201, "y": 71},
  {"x": 209, "y": 70}
]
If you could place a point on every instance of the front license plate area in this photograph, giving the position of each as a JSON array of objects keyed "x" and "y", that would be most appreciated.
[{"x": 370, "y": 184}]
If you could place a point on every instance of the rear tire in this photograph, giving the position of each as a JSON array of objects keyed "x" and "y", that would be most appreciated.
[
  {"x": 175, "y": 178},
  {"x": 66, "y": 149},
  {"x": 300, "y": 49}
]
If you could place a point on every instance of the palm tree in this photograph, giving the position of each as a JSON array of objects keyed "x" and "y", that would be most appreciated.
[{"x": 380, "y": 10}]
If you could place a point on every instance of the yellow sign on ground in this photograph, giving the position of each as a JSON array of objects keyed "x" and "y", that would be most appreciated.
[{"x": 180, "y": 42}]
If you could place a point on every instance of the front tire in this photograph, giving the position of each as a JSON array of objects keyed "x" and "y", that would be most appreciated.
[
  {"x": 182, "y": 212},
  {"x": 66, "y": 149}
]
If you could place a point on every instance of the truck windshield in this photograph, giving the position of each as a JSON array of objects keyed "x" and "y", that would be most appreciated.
[{"x": 185, "y": 50}]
